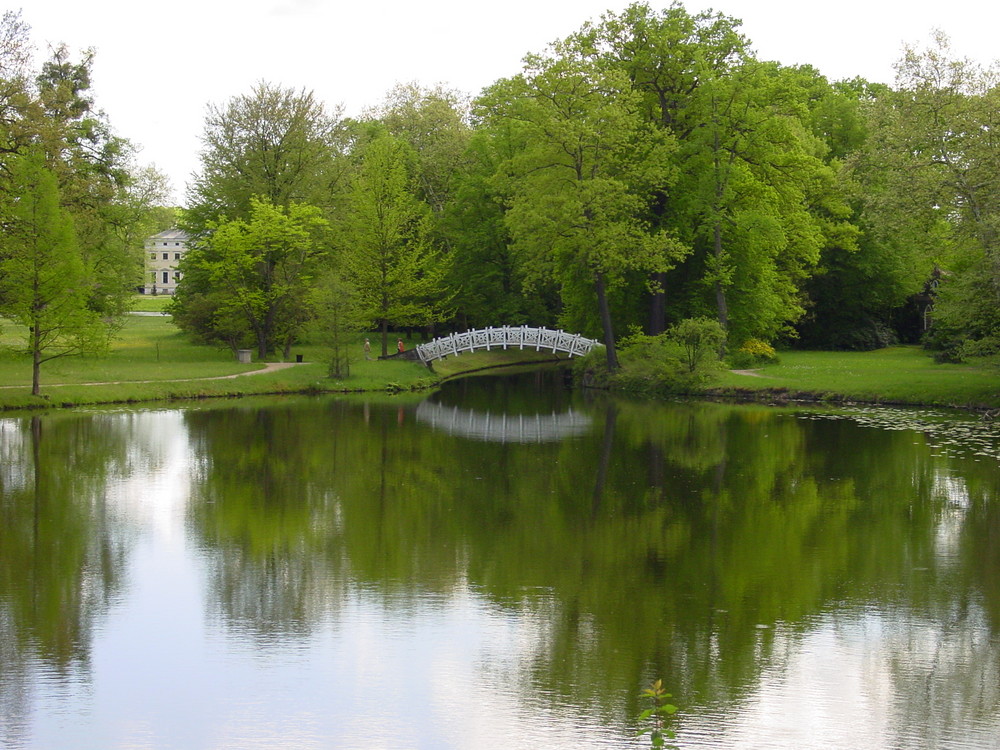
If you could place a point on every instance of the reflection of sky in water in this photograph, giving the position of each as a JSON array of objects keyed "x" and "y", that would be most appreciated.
[
  {"x": 167, "y": 671},
  {"x": 451, "y": 670},
  {"x": 831, "y": 688}
]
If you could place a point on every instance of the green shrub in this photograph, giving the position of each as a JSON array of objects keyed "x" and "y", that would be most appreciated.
[
  {"x": 700, "y": 340},
  {"x": 751, "y": 353},
  {"x": 984, "y": 347},
  {"x": 591, "y": 370}
]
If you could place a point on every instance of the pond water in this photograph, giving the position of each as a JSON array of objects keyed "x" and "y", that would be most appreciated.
[{"x": 503, "y": 564}]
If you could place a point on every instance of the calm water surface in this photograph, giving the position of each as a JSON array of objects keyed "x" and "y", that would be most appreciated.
[{"x": 505, "y": 564}]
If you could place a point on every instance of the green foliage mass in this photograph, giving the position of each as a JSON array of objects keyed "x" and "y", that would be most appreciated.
[
  {"x": 644, "y": 170},
  {"x": 74, "y": 206}
]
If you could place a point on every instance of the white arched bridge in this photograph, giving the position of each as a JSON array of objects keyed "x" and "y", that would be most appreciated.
[{"x": 505, "y": 337}]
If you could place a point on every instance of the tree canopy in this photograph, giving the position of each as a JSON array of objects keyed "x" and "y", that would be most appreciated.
[
  {"x": 646, "y": 169},
  {"x": 75, "y": 206}
]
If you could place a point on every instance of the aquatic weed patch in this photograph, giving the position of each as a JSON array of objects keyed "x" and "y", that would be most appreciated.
[{"x": 947, "y": 434}]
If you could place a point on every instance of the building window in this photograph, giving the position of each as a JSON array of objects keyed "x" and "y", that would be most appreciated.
[
  {"x": 166, "y": 256},
  {"x": 177, "y": 256},
  {"x": 177, "y": 275},
  {"x": 152, "y": 256},
  {"x": 166, "y": 277}
]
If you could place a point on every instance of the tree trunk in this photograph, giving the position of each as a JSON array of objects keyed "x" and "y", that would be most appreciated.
[
  {"x": 658, "y": 306},
  {"x": 36, "y": 360},
  {"x": 607, "y": 446},
  {"x": 720, "y": 291},
  {"x": 605, "y": 311},
  {"x": 261, "y": 345}
]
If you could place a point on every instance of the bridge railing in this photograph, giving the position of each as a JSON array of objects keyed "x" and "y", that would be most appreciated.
[{"x": 505, "y": 337}]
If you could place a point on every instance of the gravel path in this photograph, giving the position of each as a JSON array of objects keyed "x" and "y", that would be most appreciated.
[{"x": 269, "y": 367}]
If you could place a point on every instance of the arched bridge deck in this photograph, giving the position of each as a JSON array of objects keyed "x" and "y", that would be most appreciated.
[{"x": 505, "y": 337}]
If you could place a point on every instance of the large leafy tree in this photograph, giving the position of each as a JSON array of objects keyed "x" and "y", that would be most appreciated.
[
  {"x": 97, "y": 179},
  {"x": 668, "y": 56},
  {"x": 260, "y": 272},
  {"x": 579, "y": 178},
  {"x": 754, "y": 199},
  {"x": 43, "y": 278},
  {"x": 74, "y": 244},
  {"x": 272, "y": 151},
  {"x": 434, "y": 122},
  {"x": 931, "y": 174},
  {"x": 383, "y": 237},
  {"x": 276, "y": 144}
]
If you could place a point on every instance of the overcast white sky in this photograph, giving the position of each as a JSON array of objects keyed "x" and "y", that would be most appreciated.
[{"x": 159, "y": 64}]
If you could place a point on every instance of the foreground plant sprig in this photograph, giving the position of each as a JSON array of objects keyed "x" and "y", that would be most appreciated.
[{"x": 658, "y": 716}]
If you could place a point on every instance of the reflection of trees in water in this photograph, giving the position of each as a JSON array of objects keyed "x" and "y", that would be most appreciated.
[
  {"x": 262, "y": 505},
  {"x": 943, "y": 671},
  {"x": 672, "y": 540},
  {"x": 62, "y": 557}
]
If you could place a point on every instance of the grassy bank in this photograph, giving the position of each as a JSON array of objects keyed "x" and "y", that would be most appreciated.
[
  {"x": 896, "y": 375},
  {"x": 153, "y": 361}
]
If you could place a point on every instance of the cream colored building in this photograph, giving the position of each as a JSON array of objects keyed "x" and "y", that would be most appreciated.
[{"x": 163, "y": 254}]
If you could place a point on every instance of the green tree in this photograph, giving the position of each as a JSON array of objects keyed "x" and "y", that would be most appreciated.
[
  {"x": 338, "y": 320},
  {"x": 97, "y": 176},
  {"x": 753, "y": 200},
  {"x": 384, "y": 242},
  {"x": 434, "y": 122},
  {"x": 931, "y": 176},
  {"x": 668, "y": 56},
  {"x": 261, "y": 271},
  {"x": 43, "y": 277},
  {"x": 580, "y": 178},
  {"x": 275, "y": 144}
]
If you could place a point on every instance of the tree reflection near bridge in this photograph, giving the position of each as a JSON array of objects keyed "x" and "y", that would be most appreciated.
[{"x": 797, "y": 583}]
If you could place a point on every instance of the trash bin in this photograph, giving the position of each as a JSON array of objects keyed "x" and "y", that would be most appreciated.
[
  {"x": 243, "y": 355},
  {"x": 298, "y": 357}
]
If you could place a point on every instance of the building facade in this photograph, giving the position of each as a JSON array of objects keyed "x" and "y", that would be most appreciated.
[{"x": 163, "y": 255}]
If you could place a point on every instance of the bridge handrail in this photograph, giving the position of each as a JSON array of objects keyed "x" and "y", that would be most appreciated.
[{"x": 503, "y": 337}]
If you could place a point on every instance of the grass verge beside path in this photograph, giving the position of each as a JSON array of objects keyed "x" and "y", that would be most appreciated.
[
  {"x": 895, "y": 375},
  {"x": 150, "y": 302},
  {"x": 153, "y": 361}
]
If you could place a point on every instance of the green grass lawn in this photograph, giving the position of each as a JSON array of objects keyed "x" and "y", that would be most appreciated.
[
  {"x": 151, "y": 360},
  {"x": 900, "y": 374},
  {"x": 150, "y": 302}
]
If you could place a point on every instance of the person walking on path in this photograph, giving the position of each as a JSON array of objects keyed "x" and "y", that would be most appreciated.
[
  {"x": 368, "y": 349},
  {"x": 399, "y": 346}
]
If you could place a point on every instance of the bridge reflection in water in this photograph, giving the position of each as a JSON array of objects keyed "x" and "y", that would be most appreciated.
[{"x": 503, "y": 428}]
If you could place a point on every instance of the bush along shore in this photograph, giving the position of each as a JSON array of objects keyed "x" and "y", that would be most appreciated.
[{"x": 902, "y": 375}]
